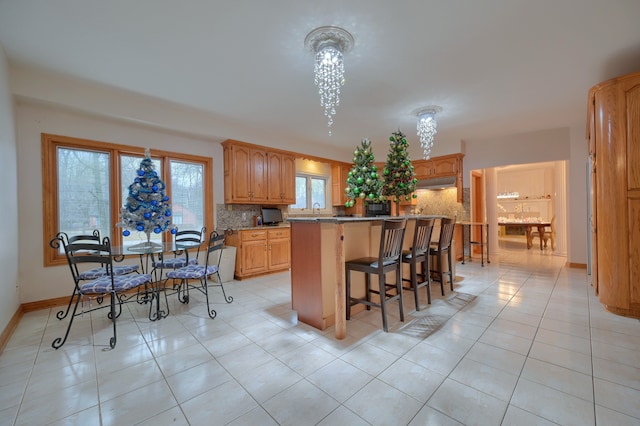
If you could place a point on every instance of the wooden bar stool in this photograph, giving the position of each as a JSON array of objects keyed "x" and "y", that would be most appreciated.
[
  {"x": 388, "y": 260},
  {"x": 441, "y": 249},
  {"x": 419, "y": 254}
]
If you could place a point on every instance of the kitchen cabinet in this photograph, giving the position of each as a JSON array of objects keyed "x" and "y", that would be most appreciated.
[
  {"x": 282, "y": 178},
  {"x": 613, "y": 134},
  {"x": 278, "y": 249},
  {"x": 254, "y": 175},
  {"x": 260, "y": 251},
  {"x": 446, "y": 165},
  {"x": 339, "y": 173},
  {"x": 443, "y": 166}
]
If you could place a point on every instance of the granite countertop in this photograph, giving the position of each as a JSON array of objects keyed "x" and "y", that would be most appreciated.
[
  {"x": 282, "y": 225},
  {"x": 338, "y": 219}
]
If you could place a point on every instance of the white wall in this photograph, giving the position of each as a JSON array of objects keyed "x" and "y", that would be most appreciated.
[
  {"x": 535, "y": 147},
  {"x": 36, "y": 281},
  {"x": 577, "y": 196},
  {"x": 9, "y": 297}
]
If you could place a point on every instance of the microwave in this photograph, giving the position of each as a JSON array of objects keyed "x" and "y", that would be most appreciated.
[{"x": 378, "y": 209}]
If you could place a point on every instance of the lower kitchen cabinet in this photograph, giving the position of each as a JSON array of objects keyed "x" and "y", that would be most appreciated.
[{"x": 261, "y": 251}]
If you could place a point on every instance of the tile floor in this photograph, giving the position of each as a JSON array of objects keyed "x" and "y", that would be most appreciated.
[{"x": 522, "y": 341}]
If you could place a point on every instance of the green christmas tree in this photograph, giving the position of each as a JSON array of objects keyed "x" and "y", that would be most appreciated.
[
  {"x": 363, "y": 181},
  {"x": 399, "y": 177},
  {"x": 147, "y": 208}
]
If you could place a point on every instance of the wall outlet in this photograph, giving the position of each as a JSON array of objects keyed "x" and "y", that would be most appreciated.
[
  {"x": 229, "y": 207},
  {"x": 244, "y": 215}
]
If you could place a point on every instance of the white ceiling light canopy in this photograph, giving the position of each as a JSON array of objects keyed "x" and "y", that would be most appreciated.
[
  {"x": 329, "y": 44},
  {"x": 427, "y": 128}
]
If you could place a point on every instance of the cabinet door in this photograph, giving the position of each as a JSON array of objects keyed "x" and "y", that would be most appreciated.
[
  {"x": 422, "y": 168},
  {"x": 254, "y": 257},
  {"x": 281, "y": 178},
  {"x": 279, "y": 253},
  {"x": 275, "y": 190},
  {"x": 259, "y": 176},
  {"x": 240, "y": 174},
  {"x": 288, "y": 175},
  {"x": 445, "y": 167},
  {"x": 336, "y": 185}
]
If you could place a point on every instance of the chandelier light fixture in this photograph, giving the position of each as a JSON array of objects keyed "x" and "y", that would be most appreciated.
[
  {"x": 329, "y": 44},
  {"x": 427, "y": 128}
]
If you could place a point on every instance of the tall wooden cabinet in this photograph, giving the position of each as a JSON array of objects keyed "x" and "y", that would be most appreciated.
[
  {"x": 254, "y": 175},
  {"x": 613, "y": 134}
]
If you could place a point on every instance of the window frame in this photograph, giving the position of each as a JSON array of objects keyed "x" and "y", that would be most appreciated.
[
  {"x": 327, "y": 195},
  {"x": 50, "y": 144}
]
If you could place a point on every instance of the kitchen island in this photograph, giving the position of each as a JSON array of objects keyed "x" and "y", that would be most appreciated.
[{"x": 319, "y": 248}]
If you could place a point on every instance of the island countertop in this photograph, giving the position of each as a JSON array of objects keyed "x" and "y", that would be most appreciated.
[{"x": 345, "y": 219}]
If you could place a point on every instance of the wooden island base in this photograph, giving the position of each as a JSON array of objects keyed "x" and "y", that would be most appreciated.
[{"x": 319, "y": 248}]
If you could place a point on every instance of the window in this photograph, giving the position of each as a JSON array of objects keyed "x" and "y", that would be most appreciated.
[
  {"x": 86, "y": 183},
  {"x": 311, "y": 192}
]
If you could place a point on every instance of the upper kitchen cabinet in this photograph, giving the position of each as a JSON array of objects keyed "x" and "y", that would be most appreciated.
[
  {"x": 438, "y": 167},
  {"x": 282, "y": 178},
  {"x": 255, "y": 175},
  {"x": 613, "y": 134},
  {"x": 339, "y": 173},
  {"x": 447, "y": 165}
]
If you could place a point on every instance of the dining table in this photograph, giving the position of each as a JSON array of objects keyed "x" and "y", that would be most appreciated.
[{"x": 528, "y": 226}]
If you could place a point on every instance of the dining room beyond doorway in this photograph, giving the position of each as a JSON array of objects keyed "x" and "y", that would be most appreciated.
[{"x": 525, "y": 193}]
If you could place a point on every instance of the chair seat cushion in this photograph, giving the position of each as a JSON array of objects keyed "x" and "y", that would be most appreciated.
[
  {"x": 120, "y": 283},
  {"x": 407, "y": 255},
  {"x": 98, "y": 272},
  {"x": 174, "y": 263},
  {"x": 192, "y": 271},
  {"x": 370, "y": 261}
]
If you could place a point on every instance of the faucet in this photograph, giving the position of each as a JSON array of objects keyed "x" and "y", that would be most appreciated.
[{"x": 313, "y": 208}]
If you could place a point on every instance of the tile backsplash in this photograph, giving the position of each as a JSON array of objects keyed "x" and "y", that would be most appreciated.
[{"x": 239, "y": 216}]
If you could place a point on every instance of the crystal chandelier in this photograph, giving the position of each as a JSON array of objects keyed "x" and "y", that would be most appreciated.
[
  {"x": 329, "y": 44},
  {"x": 427, "y": 128}
]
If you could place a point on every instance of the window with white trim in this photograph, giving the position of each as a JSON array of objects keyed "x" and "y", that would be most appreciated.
[{"x": 311, "y": 192}]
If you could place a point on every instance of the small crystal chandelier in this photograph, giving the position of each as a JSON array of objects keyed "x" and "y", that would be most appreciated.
[
  {"x": 427, "y": 128},
  {"x": 329, "y": 44}
]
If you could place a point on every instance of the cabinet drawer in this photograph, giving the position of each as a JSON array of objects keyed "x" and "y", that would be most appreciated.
[
  {"x": 279, "y": 233},
  {"x": 253, "y": 235}
]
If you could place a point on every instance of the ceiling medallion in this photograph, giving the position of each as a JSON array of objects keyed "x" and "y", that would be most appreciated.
[{"x": 329, "y": 44}]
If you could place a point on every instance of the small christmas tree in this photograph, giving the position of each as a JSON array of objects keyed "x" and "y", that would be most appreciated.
[
  {"x": 363, "y": 181},
  {"x": 399, "y": 178},
  {"x": 147, "y": 208}
]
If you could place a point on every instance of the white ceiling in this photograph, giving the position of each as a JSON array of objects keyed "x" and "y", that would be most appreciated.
[{"x": 496, "y": 67}]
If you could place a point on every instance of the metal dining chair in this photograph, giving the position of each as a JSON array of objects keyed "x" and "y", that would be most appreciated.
[
  {"x": 183, "y": 241},
  {"x": 62, "y": 240},
  {"x": 117, "y": 287},
  {"x": 201, "y": 273}
]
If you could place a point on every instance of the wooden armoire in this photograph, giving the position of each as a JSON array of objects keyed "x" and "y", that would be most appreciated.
[{"x": 613, "y": 133}]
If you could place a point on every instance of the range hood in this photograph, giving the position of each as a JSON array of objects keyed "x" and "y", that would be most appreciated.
[{"x": 437, "y": 183}]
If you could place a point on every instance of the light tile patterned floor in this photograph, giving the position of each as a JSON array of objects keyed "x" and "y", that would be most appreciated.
[{"x": 521, "y": 341}]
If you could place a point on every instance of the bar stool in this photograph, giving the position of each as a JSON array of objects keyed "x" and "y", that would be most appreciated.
[
  {"x": 419, "y": 254},
  {"x": 388, "y": 260},
  {"x": 441, "y": 249}
]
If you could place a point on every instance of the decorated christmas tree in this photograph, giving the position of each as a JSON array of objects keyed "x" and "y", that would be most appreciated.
[
  {"x": 363, "y": 181},
  {"x": 147, "y": 208},
  {"x": 399, "y": 177}
]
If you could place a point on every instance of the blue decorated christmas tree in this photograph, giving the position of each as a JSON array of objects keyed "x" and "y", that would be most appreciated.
[{"x": 147, "y": 208}]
